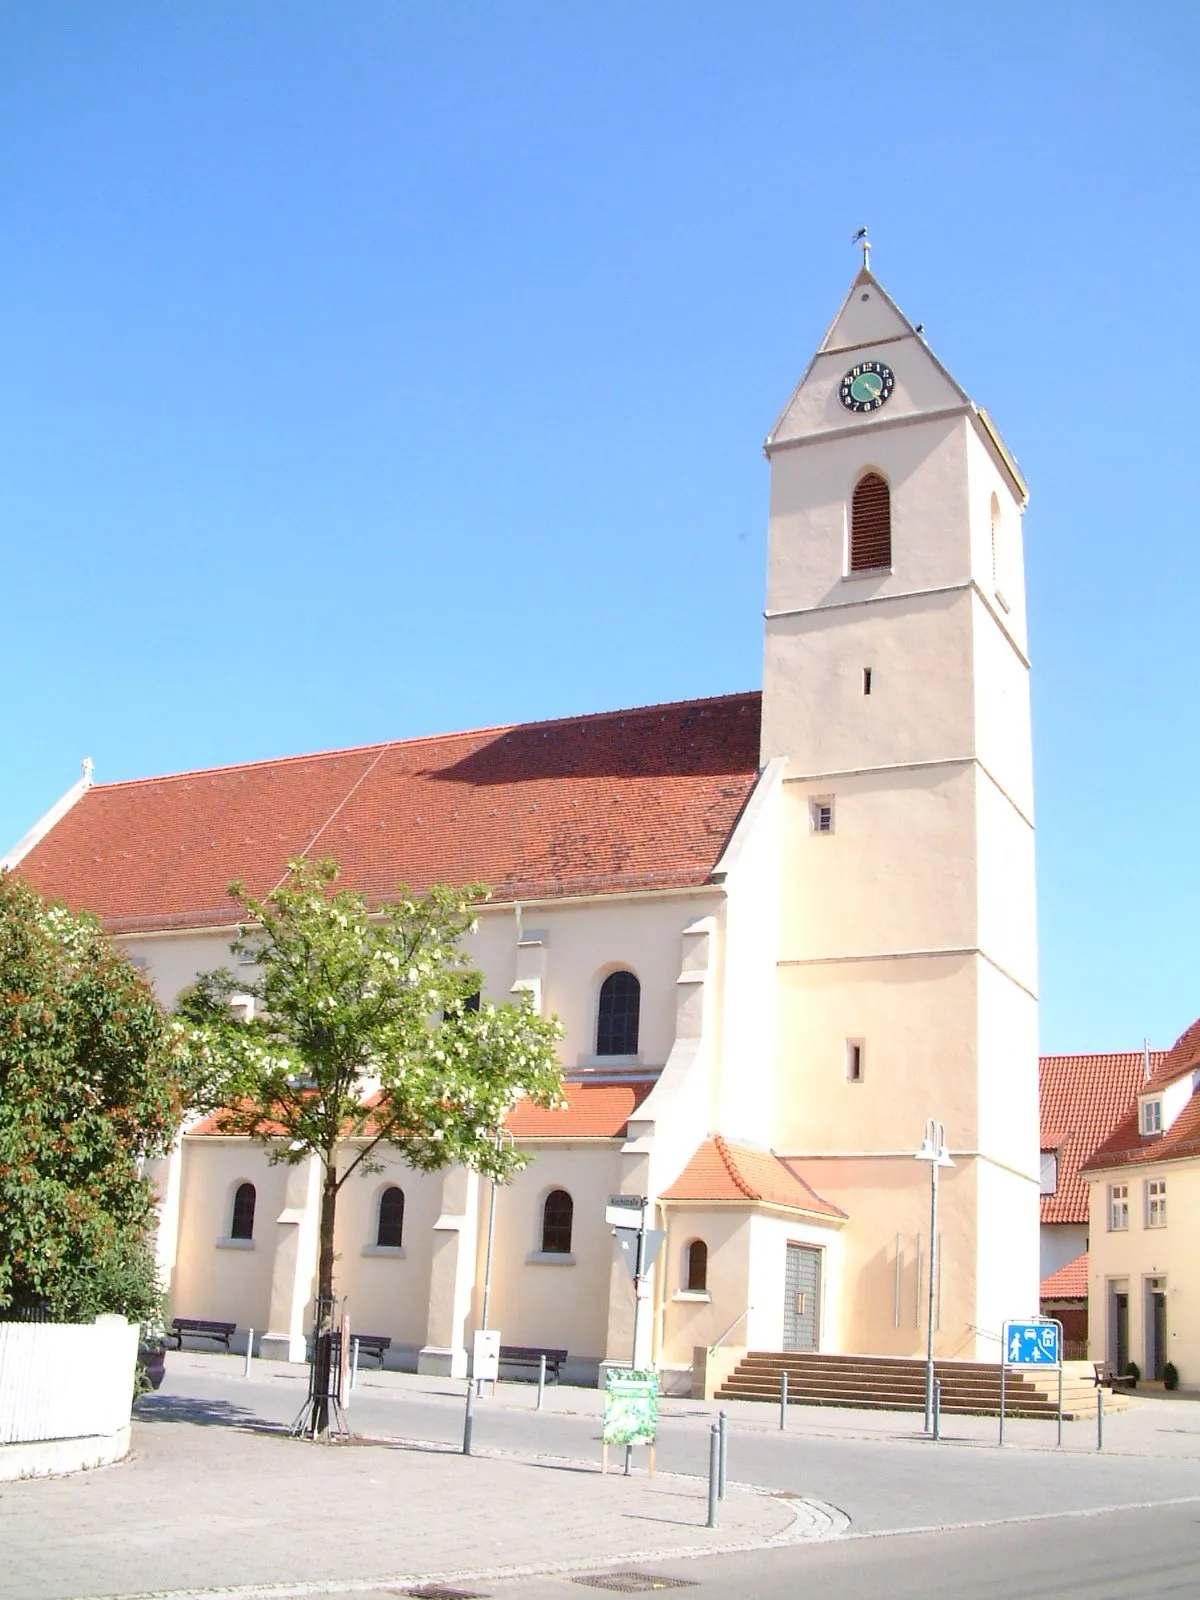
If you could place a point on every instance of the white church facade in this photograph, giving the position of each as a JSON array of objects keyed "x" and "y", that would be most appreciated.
[{"x": 781, "y": 931}]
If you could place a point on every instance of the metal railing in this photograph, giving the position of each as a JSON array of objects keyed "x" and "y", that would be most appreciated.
[{"x": 720, "y": 1341}]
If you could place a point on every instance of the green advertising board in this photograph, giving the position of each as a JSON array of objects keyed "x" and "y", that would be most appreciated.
[{"x": 630, "y": 1407}]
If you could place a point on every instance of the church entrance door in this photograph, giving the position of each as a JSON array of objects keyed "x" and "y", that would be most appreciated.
[{"x": 802, "y": 1298}]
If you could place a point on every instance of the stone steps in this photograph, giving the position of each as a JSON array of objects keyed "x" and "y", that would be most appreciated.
[{"x": 884, "y": 1383}]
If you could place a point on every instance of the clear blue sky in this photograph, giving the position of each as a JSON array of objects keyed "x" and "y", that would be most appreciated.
[{"x": 371, "y": 369}]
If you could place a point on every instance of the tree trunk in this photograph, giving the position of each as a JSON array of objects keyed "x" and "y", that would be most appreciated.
[{"x": 323, "y": 1332}]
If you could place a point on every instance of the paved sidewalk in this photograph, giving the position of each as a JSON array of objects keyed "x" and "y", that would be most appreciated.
[
  {"x": 214, "y": 1506},
  {"x": 1154, "y": 1425}
]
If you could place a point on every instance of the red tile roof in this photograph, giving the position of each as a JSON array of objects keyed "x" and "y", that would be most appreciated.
[
  {"x": 592, "y": 1111},
  {"x": 723, "y": 1171},
  {"x": 1126, "y": 1145},
  {"x": 634, "y": 799},
  {"x": 1183, "y": 1055},
  {"x": 1069, "y": 1282},
  {"x": 1082, "y": 1100}
]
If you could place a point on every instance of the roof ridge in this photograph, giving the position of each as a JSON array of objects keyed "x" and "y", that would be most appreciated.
[
  {"x": 733, "y": 1169},
  {"x": 425, "y": 738}
]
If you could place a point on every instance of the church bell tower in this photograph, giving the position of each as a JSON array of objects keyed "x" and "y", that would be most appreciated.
[{"x": 896, "y": 686}]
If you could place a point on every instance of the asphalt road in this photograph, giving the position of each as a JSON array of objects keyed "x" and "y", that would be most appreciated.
[
  {"x": 1123, "y": 1555},
  {"x": 881, "y": 1484}
]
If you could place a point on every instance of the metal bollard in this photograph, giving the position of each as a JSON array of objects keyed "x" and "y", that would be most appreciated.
[
  {"x": 469, "y": 1419},
  {"x": 714, "y": 1472},
  {"x": 249, "y": 1352},
  {"x": 723, "y": 1425},
  {"x": 354, "y": 1348},
  {"x": 541, "y": 1381},
  {"x": 783, "y": 1399},
  {"x": 937, "y": 1408},
  {"x": 1099, "y": 1417}
]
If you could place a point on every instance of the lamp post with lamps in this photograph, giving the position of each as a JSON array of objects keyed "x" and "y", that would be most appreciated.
[{"x": 933, "y": 1150}]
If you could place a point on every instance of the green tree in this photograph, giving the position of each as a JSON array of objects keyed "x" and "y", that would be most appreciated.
[
  {"x": 361, "y": 1035},
  {"x": 90, "y": 1086}
]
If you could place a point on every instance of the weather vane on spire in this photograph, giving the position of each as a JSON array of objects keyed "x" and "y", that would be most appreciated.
[{"x": 861, "y": 238}]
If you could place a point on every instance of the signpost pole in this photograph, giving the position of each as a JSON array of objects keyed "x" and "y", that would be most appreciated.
[
  {"x": 1059, "y": 1352},
  {"x": 1099, "y": 1416},
  {"x": 783, "y": 1400},
  {"x": 723, "y": 1425},
  {"x": 937, "y": 1408},
  {"x": 1003, "y": 1371}
]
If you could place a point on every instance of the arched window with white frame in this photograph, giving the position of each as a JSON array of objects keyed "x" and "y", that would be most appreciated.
[
  {"x": 241, "y": 1221},
  {"x": 389, "y": 1220},
  {"x": 558, "y": 1219},
  {"x": 618, "y": 1015}
]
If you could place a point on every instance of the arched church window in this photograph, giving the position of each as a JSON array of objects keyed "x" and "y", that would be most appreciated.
[
  {"x": 697, "y": 1267},
  {"x": 389, "y": 1230},
  {"x": 558, "y": 1214},
  {"x": 870, "y": 524},
  {"x": 617, "y": 1015},
  {"x": 241, "y": 1224}
]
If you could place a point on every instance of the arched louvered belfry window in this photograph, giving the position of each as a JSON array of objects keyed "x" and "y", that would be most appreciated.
[
  {"x": 617, "y": 1015},
  {"x": 389, "y": 1230},
  {"x": 558, "y": 1214},
  {"x": 870, "y": 524},
  {"x": 241, "y": 1224}
]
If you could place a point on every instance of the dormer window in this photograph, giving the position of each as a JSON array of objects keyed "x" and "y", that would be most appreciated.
[
  {"x": 1049, "y": 1171},
  {"x": 1151, "y": 1117}
]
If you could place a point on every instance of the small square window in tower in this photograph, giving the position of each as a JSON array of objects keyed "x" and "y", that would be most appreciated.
[
  {"x": 870, "y": 524},
  {"x": 821, "y": 813}
]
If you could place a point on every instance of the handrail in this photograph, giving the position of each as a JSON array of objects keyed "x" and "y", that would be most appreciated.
[
  {"x": 986, "y": 1333},
  {"x": 730, "y": 1329}
]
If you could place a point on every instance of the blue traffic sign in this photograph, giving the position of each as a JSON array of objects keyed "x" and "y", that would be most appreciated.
[{"x": 1031, "y": 1344}]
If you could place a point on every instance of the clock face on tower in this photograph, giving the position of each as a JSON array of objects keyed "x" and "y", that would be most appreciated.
[{"x": 867, "y": 386}]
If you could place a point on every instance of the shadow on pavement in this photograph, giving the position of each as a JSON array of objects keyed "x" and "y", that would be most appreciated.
[{"x": 204, "y": 1413}]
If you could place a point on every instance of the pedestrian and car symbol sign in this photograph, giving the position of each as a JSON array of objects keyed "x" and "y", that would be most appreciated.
[{"x": 1031, "y": 1344}]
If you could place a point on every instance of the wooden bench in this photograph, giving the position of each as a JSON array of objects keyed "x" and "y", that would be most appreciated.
[
  {"x": 371, "y": 1344},
  {"x": 221, "y": 1331},
  {"x": 1107, "y": 1378},
  {"x": 521, "y": 1355}
]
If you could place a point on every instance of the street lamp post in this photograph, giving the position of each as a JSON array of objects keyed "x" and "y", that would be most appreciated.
[
  {"x": 933, "y": 1150},
  {"x": 502, "y": 1134}
]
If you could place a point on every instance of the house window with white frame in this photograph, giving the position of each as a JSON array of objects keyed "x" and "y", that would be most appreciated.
[
  {"x": 1156, "y": 1203},
  {"x": 1151, "y": 1116},
  {"x": 821, "y": 813},
  {"x": 1118, "y": 1207}
]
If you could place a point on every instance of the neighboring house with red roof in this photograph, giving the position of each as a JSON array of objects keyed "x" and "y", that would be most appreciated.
[
  {"x": 781, "y": 931},
  {"x": 1083, "y": 1097},
  {"x": 1144, "y": 1222}
]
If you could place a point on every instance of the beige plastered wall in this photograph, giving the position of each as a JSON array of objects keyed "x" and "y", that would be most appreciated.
[
  {"x": 560, "y": 1302},
  {"x": 225, "y": 1283},
  {"x": 1127, "y": 1258},
  {"x": 747, "y": 1253}
]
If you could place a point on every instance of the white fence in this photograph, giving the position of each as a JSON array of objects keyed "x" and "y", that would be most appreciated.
[{"x": 65, "y": 1388}]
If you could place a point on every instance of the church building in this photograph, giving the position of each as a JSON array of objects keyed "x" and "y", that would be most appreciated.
[{"x": 782, "y": 931}]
